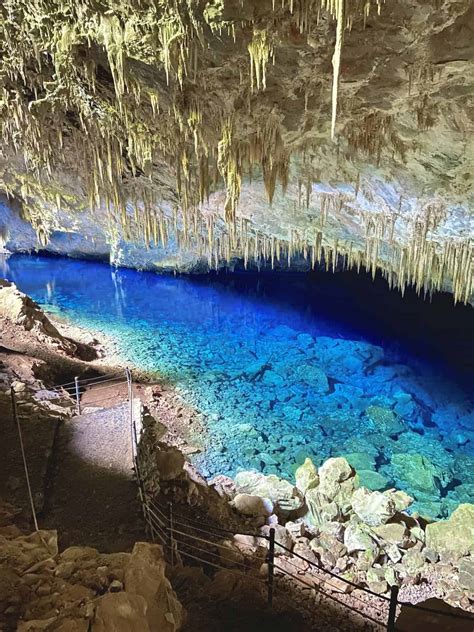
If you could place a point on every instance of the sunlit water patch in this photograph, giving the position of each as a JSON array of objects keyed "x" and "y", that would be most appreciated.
[{"x": 285, "y": 367}]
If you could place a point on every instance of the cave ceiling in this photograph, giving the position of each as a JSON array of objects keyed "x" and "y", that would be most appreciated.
[{"x": 336, "y": 131}]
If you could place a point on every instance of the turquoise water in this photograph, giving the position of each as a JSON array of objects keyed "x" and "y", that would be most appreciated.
[{"x": 286, "y": 366}]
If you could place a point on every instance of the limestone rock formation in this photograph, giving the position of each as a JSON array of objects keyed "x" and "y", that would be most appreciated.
[
  {"x": 306, "y": 476},
  {"x": 18, "y": 309},
  {"x": 453, "y": 537},
  {"x": 283, "y": 495},
  {"x": 23, "y": 311},
  {"x": 81, "y": 589},
  {"x": 172, "y": 135}
]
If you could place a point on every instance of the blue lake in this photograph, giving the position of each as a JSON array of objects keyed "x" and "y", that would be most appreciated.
[{"x": 284, "y": 366}]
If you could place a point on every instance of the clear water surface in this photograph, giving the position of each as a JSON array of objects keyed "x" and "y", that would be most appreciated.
[{"x": 289, "y": 366}]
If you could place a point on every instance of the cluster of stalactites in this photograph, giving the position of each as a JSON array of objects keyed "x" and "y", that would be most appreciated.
[
  {"x": 415, "y": 260},
  {"x": 55, "y": 52},
  {"x": 344, "y": 12},
  {"x": 54, "y": 106}
]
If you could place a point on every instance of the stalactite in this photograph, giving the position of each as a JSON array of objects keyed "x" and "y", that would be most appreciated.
[
  {"x": 260, "y": 50},
  {"x": 336, "y": 61}
]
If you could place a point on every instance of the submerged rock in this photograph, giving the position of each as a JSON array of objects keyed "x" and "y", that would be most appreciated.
[
  {"x": 313, "y": 375},
  {"x": 372, "y": 480},
  {"x": 360, "y": 461},
  {"x": 385, "y": 420},
  {"x": 415, "y": 471}
]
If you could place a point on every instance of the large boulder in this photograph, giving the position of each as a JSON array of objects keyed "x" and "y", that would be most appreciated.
[
  {"x": 321, "y": 509},
  {"x": 121, "y": 612},
  {"x": 453, "y": 538},
  {"x": 307, "y": 476},
  {"x": 373, "y": 508},
  {"x": 337, "y": 481},
  {"x": 254, "y": 506},
  {"x": 284, "y": 496},
  {"x": 22, "y": 310},
  {"x": 145, "y": 577}
]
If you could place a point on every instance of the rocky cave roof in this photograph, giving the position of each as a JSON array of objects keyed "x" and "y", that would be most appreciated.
[{"x": 263, "y": 130}]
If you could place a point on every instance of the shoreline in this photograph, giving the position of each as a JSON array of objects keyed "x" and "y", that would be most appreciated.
[{"x": 184, "y": 424}]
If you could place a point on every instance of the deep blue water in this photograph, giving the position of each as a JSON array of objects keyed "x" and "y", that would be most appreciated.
[{"x": 285, "y": 366}]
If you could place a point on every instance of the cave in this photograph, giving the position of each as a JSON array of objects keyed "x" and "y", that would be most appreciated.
[{"x": 236, "y": 315}]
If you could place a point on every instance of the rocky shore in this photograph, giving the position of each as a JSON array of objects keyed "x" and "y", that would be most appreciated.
[{"x": 326, "y": 516}]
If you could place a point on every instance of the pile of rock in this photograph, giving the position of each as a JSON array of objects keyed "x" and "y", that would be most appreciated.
[
  {"x": 81, "y": 589},
  {"x": 365, "y": 536}
]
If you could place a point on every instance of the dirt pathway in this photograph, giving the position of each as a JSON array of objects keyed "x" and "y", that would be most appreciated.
[{"x": 92, "y": 496}]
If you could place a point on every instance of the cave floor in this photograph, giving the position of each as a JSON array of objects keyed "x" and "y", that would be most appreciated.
[{"x": 92, "y": 495}]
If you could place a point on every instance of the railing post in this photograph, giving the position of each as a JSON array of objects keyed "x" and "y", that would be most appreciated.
[
  {"x": 170, "y": 506},
  {"x": 78, "y": 397},
  {"x": 271, "y": 565},
  {"x": 133, "y": 429},
  {"x": 16, "y": 420},
  {"x": 392, "y": 611}
]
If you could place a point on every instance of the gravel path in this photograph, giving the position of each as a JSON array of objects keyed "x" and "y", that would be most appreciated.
[{"x": 93, "y": 496}]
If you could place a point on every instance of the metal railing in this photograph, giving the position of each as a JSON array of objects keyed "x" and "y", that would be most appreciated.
[{"x": 203, "y": 543}]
